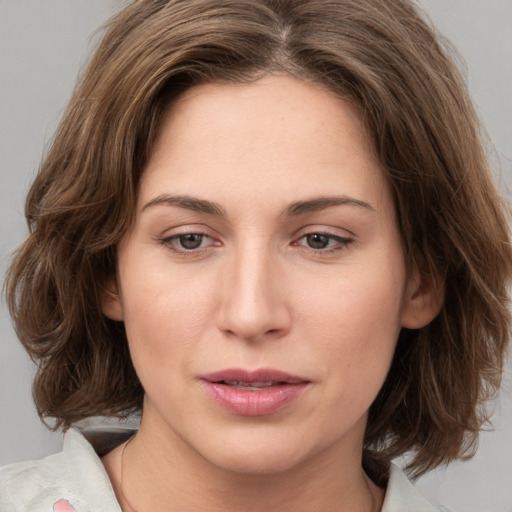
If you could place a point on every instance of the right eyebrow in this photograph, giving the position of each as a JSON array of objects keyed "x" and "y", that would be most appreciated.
[{"x": 188, "y": 203}]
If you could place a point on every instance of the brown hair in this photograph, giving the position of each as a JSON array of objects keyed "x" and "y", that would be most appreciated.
[{"x": 388, "y": 61}]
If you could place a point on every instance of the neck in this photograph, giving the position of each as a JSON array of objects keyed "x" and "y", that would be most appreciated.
[{"x": 164, "y": 473}]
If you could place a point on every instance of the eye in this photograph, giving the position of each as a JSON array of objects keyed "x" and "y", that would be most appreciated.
[
  {"x": 318, "y": 240},
  {"x": 188, "y": 242},
  {"x": 323, "y": 242}
]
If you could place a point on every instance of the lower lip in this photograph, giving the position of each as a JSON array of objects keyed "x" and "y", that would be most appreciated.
[{"x": 254, "y": 402}]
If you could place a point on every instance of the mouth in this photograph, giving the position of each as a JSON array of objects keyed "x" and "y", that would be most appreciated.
[
  {"x": 250, "y": 386},
  {"x": 253, "y": 393}
]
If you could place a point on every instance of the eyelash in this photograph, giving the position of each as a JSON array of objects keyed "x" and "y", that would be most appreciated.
[{"x": 341, "y": 243}]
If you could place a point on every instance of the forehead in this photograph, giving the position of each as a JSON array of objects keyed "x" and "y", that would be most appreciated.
[
  {"x": 273, "y": 105},
  {"x": 277, "y": 134}
]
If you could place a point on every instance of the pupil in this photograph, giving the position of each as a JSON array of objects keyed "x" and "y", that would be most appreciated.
[
  {"x": 191, "y": 241},
  {"x": 317, "y": 241}
]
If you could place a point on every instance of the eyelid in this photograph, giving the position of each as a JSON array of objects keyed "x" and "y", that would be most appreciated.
[
  {"x": 186, "y": 229},
  {"x": 328, "y": 230}
]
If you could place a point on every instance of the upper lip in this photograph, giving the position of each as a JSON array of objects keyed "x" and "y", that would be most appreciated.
[{"x": 248, "y": 376}]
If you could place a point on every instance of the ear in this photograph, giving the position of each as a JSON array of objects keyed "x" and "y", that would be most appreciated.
[
  {"x": 111, "y": 304},
  {"x": 423, "y": 301}
]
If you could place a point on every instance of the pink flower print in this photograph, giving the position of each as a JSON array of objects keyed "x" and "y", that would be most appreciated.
[{"x": 63, "y": 506}]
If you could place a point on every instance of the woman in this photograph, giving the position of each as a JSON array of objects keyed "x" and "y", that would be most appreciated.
[{"x": 269, "y": 226}]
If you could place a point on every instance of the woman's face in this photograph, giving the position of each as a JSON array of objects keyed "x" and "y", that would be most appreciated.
[{"x": 263, "y": 284}]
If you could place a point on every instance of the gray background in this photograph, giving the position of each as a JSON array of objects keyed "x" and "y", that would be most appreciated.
[{"x": 43, "y": 45}]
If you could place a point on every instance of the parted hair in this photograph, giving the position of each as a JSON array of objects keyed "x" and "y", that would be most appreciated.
[{"x": 385, "y": 58}]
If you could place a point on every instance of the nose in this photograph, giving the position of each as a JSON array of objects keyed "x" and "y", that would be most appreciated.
[{"x": 254, "y": 303}]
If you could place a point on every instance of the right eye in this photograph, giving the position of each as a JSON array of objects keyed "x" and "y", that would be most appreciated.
[{"x": 188, "y": 243}]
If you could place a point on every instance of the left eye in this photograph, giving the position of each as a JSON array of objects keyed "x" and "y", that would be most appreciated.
[{"x": 322, "y": 241}]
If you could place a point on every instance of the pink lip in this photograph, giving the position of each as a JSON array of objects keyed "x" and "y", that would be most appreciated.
[{"x": 253, "y": 402}]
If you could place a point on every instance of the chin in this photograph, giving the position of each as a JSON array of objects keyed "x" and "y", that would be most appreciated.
[
  {"x": 258, "y": 455},
  {"x": 258, "y": 462}
]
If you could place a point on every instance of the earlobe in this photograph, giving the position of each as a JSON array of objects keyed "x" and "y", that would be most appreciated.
[
  {"x": 423, "y": 301},
  {"x": 111, "y": 300}
]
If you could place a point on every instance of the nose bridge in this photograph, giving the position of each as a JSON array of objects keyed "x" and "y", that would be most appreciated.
[{"x": 253, "y": 303}]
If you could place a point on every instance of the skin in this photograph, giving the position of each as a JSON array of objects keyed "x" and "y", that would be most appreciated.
[{"x": 255, "y": 294}]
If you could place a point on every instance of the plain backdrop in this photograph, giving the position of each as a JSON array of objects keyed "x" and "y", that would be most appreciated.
[{"x": 44, "y": 44}]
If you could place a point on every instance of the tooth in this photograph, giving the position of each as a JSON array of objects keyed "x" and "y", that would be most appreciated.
[{"x": 251, "y": 385}]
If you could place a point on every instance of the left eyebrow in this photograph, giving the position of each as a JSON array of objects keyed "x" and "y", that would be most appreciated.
[{"x": 321, "y": 203}]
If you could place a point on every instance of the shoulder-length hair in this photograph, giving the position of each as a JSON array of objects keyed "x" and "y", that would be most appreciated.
[{"x": 380, "y": 55}]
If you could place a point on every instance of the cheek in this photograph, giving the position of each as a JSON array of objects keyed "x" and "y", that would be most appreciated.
[
  {"x": 353, "y": 341},
  {"x": 355, "y": 320},
  {"x": 165, "y": 315},
  {"x": 351, "y": 304}
]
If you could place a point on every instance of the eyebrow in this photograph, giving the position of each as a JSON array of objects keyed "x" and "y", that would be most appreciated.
[
  {"x": 294, "y": 209},
  {"x": 188, "y": 203},
  {"x": 321, "y": 203}
]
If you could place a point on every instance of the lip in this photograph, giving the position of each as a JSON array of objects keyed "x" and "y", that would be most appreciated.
[{"x": 232, "y": 397}]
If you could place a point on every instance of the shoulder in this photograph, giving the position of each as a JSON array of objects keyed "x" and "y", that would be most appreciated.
[
  {"x": 72, "y": 480},
  {"x": 33, "y": 485},
  {"x": 402, "y": 496}
]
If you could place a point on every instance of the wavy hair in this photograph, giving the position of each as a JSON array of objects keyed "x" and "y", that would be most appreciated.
[{"x": 386, "y": 59}]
